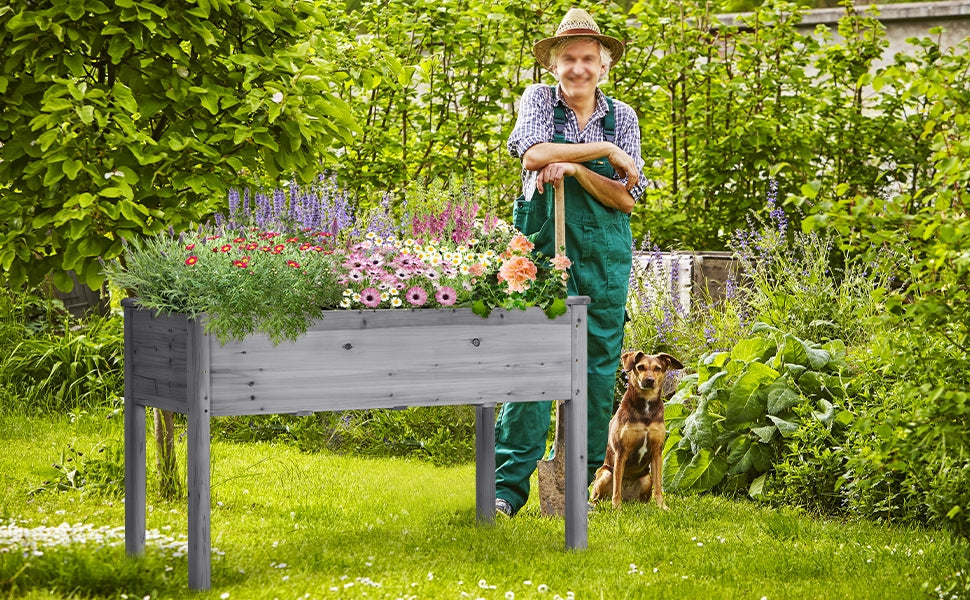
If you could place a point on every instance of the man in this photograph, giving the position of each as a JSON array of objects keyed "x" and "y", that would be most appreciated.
[{"x": 574, "y": 134}]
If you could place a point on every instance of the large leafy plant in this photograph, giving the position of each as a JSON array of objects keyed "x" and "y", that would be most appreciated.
[
  {"x": 728, "y": 422},
  {"x": 122, "y": 119}
]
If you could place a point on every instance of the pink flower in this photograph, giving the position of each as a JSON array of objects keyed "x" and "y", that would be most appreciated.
[
  {"x": 518, "y": 271},
  {"x": 561, "y": 263},
  {"x": 476, "y": 270},
  {"x": 370, "y": 297},
  {"x": 446, "y": 296},
  {"x": 416, "y": 296},
  {"x": 521, "y": 244}
]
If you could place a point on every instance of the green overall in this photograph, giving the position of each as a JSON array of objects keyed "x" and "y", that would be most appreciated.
[{"x": 599, "y": 244}]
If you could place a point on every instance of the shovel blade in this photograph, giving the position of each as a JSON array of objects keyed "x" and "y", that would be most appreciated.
[{"x": 552, "y": 488}]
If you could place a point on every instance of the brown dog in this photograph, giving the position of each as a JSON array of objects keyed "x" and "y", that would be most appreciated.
[{"x": 633, "y": 466}]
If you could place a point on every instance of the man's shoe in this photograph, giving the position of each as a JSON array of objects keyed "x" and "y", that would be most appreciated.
[{"x": 502, "y": 507}]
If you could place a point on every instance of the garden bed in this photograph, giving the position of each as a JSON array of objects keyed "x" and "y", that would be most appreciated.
[{"x": 351, "y": 360}]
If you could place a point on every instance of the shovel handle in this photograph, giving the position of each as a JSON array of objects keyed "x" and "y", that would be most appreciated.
[{"x": 560, "y": 217}]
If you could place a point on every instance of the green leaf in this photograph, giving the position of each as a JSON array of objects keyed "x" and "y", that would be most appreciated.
[
  {"x": 481, "y": 309},
  {"x": 793, "y": 350},
  {"x": 702, "y": 473},
  {"x": 63, "y": 280},
  {"x": 556, "y": 308},
  {"x": 123, "y": 97},
  {"x": 71, "y": 168},
  {"x": 757, "y": 487},
  {"x": 781, "y": 397},
  {"x": 751, "y": 349},
  {"x": 745, "y": 404},
  {"x": 765, "y": 433},
  {"x": 811, "y": 189},
  {"x": 786, "y": 428},
  {"x": 699, "y": 426},
  {"x": 828, "y": 412},
  {"x": 818, "y": 359},
  {"x": 810, "y": 383}
]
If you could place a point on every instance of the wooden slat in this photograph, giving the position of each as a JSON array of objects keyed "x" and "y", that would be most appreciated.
[{"x": 389, "y": 365}]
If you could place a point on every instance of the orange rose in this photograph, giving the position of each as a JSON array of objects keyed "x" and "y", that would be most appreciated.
[{"x": 518, "y": 271}]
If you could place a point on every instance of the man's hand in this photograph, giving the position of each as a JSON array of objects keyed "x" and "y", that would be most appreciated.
[
  {"x": 554, "y": 172},
  {"x": 625, "y": 166}
]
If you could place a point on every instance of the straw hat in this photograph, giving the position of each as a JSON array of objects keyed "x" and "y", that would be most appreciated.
[{"x": 576, "y": 23}]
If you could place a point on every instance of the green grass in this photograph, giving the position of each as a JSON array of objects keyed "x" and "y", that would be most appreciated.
[{"x": 292, "y": 525}]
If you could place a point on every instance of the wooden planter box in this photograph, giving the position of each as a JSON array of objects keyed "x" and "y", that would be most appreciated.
[{"x": 351, "y": 360}]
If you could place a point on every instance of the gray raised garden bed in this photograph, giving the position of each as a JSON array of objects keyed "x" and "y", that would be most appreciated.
[{"x": 351, "y": 360}]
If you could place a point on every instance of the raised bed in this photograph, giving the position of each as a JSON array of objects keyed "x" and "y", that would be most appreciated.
[{"x": 351, "y": 360}]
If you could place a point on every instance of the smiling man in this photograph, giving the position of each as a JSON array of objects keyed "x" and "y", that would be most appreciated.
[{"x": 574, "y": 134}]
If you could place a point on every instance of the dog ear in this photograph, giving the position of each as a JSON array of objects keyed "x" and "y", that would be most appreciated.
[
  {"x": 629, "y": 359},
  {"x": 670, "y": 361}
]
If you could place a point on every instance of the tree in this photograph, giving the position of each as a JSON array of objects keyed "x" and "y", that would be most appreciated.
[{"x": 123, "y": 120}]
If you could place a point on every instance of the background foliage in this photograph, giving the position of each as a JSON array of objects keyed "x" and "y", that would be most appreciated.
[{"x": 123, "y": 120}]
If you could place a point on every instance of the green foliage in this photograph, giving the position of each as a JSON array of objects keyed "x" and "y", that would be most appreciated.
[
  {"x": 120, "y": 121},
  {"x": 726, "y": 110},
  {"x": 441, "y": 435},
  {"x": 277, "y": 291},
  {"x": 728, "y": 422},
  {"x": 100, "y": 471},
  {"x": 50, "y": 362},
  {"x": 910, "y": 454},
  {"x": 433, "y": 88}
]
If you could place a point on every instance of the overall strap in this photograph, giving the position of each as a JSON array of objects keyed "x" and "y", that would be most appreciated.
[
  {"x": 609, "y": 121},
  {"x": 559, "y": 122}
]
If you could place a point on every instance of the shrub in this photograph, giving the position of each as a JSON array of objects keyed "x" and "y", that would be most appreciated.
[{"x": 729, "y": 422}]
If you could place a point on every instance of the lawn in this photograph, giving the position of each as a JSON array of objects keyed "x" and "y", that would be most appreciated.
[{"x": 286, "y": 524}]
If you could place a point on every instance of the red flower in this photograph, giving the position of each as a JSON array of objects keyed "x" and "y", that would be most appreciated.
[
  {"x": 190, "y": 247},
  {"x": 293, "y": 263},
  {"x": 293, "y": 240},
  {"x": 225, "y": 248},
  {"x": 191, "y": 260},
  {"x": 239, "y": 240},
  {"x": 278, "y": 248}
]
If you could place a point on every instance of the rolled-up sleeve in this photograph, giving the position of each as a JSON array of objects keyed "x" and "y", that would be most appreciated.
[
  {"x": 629, "y": 142},
  {"x": 534, "y": 124}
]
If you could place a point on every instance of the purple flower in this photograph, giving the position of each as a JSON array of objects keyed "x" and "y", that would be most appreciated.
[
  {"x": 416, "y": 296},
  {"x": 446, "y": 296}
]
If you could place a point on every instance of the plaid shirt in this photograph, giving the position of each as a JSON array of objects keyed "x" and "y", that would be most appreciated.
[{"x": 535, "y": 125}]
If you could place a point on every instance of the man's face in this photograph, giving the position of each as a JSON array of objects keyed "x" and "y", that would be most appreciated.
[{"x": 579, "y": 67}]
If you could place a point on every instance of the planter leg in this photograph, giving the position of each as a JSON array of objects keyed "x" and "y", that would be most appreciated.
[
  {"x": 134, "y": 477},
  {"x": 577, "y": 518},
  {"x": 485, "y": 463},
  {"x": 200, "y": 544},
  {"x": 134, "y": 452}
]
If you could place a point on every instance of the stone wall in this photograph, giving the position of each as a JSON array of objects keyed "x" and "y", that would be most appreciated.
[{"x": 902, "y": 21}]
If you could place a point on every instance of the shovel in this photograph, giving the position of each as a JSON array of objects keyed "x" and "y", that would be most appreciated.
[{"x": 552, "y": 472}]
